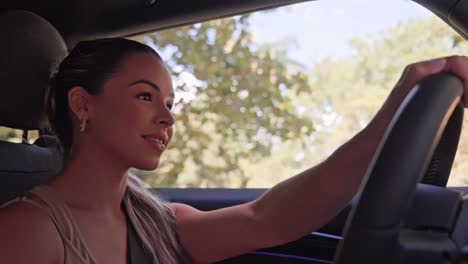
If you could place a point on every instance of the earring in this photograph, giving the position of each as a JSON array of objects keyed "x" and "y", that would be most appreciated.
[{"x": 83, "y": 124}]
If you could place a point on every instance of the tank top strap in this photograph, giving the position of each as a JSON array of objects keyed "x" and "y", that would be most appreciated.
[{"x": 76, "y": 249}]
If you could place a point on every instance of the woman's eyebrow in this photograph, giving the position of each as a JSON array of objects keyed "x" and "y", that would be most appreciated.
[{"x": 150, "y": 83}]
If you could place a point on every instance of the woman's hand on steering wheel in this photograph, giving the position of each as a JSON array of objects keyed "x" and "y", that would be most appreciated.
[{"x": 416, "y": 72}]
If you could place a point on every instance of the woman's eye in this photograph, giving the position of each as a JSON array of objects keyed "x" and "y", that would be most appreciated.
[{"x": 144, "y": 96}]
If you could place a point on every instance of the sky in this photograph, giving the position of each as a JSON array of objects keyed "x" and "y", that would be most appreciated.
[{"x": 324, "y": 28}]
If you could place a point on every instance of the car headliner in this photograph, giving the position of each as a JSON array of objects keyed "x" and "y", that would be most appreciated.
[{"x": 88, "y": 19}]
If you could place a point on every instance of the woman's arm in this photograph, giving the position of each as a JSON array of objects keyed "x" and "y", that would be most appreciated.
[
  {"x": 310, "y": 199},
  {"x": 303, "y": 203}
]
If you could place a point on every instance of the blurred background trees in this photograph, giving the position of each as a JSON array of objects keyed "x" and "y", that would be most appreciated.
[
  {"x": 250, "y": 116},
  {"x": 234, "y": 100}
]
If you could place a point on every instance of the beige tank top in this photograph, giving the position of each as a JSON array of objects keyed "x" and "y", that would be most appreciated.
[{"x": 75, "y": 249}]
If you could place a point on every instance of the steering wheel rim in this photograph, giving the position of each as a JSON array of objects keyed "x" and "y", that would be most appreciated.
[{"x": 371, "y": 233}]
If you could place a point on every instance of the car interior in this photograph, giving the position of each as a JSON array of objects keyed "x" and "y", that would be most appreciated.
[{"x": 404, "y": 212}]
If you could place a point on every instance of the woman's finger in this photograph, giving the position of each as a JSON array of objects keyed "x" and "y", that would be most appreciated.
[
  {"x": 458, "y": 65},
  {"x": 414, "y": 73}
]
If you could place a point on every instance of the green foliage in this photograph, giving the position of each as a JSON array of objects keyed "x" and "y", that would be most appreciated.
[
  {"x": 249, "y": 116},
  {"x": 347, "y": 92},
  {"x": 353, "y": 88},
  {"x": 7, "y": 134},
  {"x": 15, "y": 135},
  {"x": 241, "y": 102}
]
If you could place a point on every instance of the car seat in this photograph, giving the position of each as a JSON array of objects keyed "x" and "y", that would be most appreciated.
[{"x": 31, "y": 48}]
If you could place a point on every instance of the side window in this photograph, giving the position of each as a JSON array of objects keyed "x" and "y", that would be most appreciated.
[
  {"x": 16, "y": 135},
  {"x": 265, "y": 95}
]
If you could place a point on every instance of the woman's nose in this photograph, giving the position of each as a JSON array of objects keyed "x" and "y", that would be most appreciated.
[{"x": 165, "y": 117}]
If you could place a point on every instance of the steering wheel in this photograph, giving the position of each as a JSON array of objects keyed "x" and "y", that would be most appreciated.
[{"x": 431, "y": 111}]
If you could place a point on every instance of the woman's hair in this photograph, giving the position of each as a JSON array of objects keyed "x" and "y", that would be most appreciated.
[{"x": 89, "y": 65}]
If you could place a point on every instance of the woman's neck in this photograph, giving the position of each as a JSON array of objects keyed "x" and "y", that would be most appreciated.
[{"x": 92, "y": 181}]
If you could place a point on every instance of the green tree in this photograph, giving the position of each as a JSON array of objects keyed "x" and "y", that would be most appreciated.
[
  {"x": 349, "y": 91},
  {"x": 248, "y": 116},
  {"x": 241, "y": 102}
]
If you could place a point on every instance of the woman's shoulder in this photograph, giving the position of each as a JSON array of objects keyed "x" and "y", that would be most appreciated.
[{"x": 28, "y": 235}]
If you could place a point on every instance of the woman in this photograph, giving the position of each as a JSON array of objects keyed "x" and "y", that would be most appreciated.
[{"x": 109, "y": 105}]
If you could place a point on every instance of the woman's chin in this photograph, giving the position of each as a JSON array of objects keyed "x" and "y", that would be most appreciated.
[{"x": 147, "y": 166}]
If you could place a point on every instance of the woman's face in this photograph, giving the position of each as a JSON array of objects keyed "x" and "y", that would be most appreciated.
[{"x": 131, "y": 118}]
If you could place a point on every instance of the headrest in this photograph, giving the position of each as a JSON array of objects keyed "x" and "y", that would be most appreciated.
[
  {"x": 30, "y": 49},
  {"x": 24, "y": 166}
]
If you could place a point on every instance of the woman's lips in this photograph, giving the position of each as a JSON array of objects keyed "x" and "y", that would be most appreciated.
[{"x": 155, "y": 142}]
